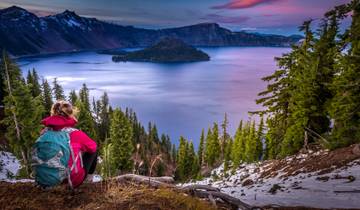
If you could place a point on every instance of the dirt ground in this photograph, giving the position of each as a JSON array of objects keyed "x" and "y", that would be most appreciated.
[
  {"x": 95, "y": 196},
  {"x": 111, "y": 195},
  {"x": 321, "y": 162},
  {"x": 103, "y": 196}
]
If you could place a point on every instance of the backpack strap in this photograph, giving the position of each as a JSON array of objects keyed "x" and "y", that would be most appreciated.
[{"x": 79, "y": 156}]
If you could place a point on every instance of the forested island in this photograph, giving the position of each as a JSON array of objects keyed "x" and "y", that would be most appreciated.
[{"x": 166, "y": 50}]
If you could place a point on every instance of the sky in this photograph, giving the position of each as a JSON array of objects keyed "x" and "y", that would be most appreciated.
[{"x": 262, "y": 16}]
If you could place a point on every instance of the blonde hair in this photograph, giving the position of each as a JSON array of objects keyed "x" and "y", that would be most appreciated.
[{"x": 63, "y": 108}]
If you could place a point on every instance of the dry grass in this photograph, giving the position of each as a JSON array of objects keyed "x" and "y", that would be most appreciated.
[{"x": 105, "y": 195}]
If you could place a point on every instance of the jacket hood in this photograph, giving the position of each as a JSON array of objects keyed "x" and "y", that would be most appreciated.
[{"x": 59, "y": 122}]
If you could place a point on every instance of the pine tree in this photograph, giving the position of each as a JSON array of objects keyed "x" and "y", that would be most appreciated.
[
  {"x": 225, "y": 136},
  {"x": 85, "y": 97},
  {"x": 191, "y": 168},
  {"x": 73, "y": 97},
  {"x": 47, "y": 96},
  {"x": 2, "y": 86},
  {"x": 201, "y": 148},
  {"x": 238, "y": 147},
  {"x": 85, "y": 120},
  {"x": 250, "y": 144},
  {"x": 58, "y": 91},
  {"x": 21, "y": 111},
  {"x": 121, "y": 138},
  {"x": 345, "y": 105},
  {"x": 181, "y": 160},
  {"x": 212, "y": 153},
  {"x": 33, "y": 82},
  {"x": 259, "y": 139},
  {"x": 104, "y": 115},
  {"x": 173, "y": 153},
  {"x": 227, "y": 155}
]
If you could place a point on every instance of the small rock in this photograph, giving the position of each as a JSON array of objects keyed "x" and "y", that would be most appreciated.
[
  {"x": 274, "y": 188},
  {"x": 248, "y": 182},
  {"x": 356, "y": 149},
  {"x": 323, "y": 178}
]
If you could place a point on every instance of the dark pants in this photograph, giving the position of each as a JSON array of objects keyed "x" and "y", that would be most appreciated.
[{"x": 89, "y": 161}]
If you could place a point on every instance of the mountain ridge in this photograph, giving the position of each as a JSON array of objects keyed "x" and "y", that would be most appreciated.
[{"x": 23, "y": 33}]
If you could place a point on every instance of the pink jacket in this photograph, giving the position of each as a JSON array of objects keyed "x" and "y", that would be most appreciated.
[{"x": 79, "y": 141}]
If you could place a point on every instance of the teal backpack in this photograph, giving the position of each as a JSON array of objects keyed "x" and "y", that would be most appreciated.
[{"x": 50, "y": 157}]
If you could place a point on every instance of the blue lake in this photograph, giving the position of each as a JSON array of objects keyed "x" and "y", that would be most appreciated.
[{"x": 180, "y": 98}]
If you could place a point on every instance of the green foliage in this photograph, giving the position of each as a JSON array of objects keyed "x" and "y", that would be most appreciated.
[
  {"x": 104, "y": 117},
  {"x": 250, "y": 144},
  {"x": 201, "y": 148},
  {"x": 84, "y": 97},
  {"x": 85, "y": 120},
  {"x": 73, "y": 97},
  {"x": 212, "y": 150},
  {"x": 225, "y": 136},
  {"x": 33, "y": 82},
  {"x": 108, "y": 167},
  {"x": 315, "y": 83},
  {"x": 47, "y": 96},
  {"x": 187, "y": 161},
  {"x": 238, "y": 148},
  {"x": 227, "y": 155},
  {"x": 58, "y": 90},
  {"x": 345, "y": 105},
  {"x": 121, "y": 134},
  {"x": 21, "y": 111}
]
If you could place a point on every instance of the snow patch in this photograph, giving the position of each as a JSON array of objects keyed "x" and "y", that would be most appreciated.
[
  {"x": 9, "y": 166},
  {"x": 332, "y": 190}
]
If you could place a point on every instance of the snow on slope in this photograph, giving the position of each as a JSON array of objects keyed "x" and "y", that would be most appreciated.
[
  {"x": 9, "y": 166},
  {"x": 339, "y": 188}
]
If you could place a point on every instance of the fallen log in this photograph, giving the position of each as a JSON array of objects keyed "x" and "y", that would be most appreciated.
[
  {"x": 201, "y": 191},
  {"x": 151, "y": 181},
  {"x": 200, "y": 187}
]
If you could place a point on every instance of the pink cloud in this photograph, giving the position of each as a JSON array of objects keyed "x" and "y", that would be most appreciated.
[
  {"x": 226, "y": 19},
  {"x": 242, "y": 4}
]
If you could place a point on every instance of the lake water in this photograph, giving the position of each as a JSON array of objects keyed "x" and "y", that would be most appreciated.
[{"x": 180, "y": 98}]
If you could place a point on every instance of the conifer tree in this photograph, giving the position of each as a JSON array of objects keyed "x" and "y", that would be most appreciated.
[
  {"x": 104, "y": 115},
  {"x": 121, "y": 138},
  {"x": 173, "y": 153},
  {"x": 201, "y": 148},
  {"x": 225, "y": 136},
  {"x": 21, "y": 111},
  {"x": 181, "y": 160},
  {"x": 47, "y": 96},
  {"x": 58, "y": 90},
  {"x": 238, "y": 147},
  {"x": 85, "y": 120},
  {"x": 212, "y": 153},
  {"x": 345, "y": 105},
  {"x": 191, "y": 168},
  {"x": 2, "y": 86},
  {"x": 33, "y": 81},
  {"x": 73, "y": 98},
  {"x": 227, "y": 155},
  {"x": 250, "y": 144},
  {"x": 85, "y": 97},
  {"x": 259, "y": 139}
]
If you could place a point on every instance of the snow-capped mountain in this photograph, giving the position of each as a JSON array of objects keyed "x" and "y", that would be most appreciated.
[{"x": 23, "y": 33}]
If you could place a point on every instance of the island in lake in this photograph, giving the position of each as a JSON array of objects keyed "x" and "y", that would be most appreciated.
[{"x": 166, "y": 50}]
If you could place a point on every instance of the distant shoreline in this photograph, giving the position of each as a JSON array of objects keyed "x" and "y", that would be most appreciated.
[{"x": 51, "y": 54}]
